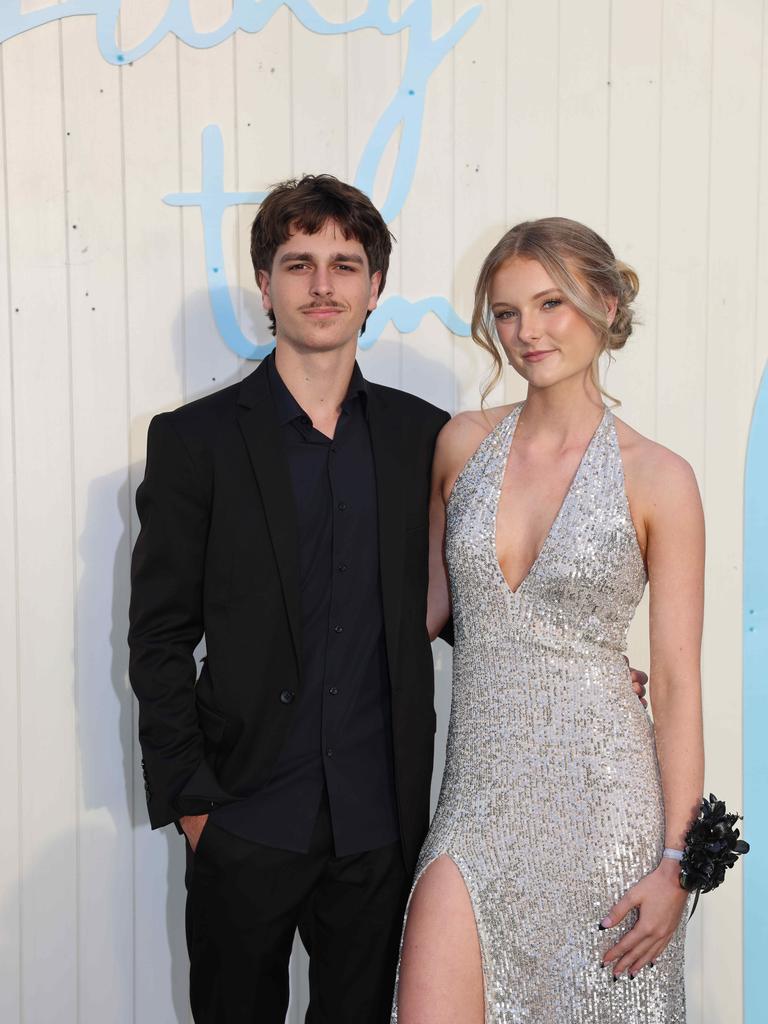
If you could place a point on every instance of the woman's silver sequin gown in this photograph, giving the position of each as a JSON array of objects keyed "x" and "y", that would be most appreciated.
[{"x": 551, "y": 803}]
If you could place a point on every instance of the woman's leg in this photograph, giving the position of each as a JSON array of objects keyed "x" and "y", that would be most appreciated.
[{"x": 441, "y": 976}]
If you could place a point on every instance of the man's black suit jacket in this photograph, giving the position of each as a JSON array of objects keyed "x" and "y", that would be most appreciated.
[{"x": 217, "y": 554}]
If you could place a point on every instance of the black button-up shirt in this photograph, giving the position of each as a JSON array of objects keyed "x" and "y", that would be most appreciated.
[{"x": 342, "y": 734}]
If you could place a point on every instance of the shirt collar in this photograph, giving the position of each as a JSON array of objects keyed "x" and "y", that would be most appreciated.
[{"x": 289, "y": 409}]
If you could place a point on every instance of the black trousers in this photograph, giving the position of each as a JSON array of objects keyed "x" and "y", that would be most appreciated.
[{"x": 244, "y": 904}]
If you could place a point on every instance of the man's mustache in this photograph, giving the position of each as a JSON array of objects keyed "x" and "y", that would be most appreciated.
[{"x": 323, "y": 305}]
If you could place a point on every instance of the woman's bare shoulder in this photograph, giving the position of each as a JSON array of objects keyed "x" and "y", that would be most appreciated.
[
  {"x": 461, "y": 437},
  {"x": 652, "y": 466},
  {"x": 469, "y": 429},
  {"x": 483, "y": 421}
]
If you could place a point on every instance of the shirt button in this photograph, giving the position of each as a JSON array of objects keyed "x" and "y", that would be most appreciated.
[
  {"x": 286, "y": 696},
  {"x": 338, "y": 629},
  {"x": 307, "y": 422},
  {"x": 333, "y": 448},
  {"x": 343, "y": 567},
  {"x": 329, "y": 752},
  {"x": 333, "y": 690},
  {"x": 342, "y": 506}
]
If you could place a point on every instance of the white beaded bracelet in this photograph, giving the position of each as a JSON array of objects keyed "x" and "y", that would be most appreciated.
[{"x": 673, "y": 854}]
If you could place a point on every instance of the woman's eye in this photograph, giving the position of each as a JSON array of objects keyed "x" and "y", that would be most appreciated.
[
  {"x": 552, "y": 303},
  {"x": 505, "y": 314}
]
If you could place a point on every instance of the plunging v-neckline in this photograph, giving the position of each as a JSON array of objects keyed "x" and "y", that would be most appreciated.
[{"x": 558, "y": 515}]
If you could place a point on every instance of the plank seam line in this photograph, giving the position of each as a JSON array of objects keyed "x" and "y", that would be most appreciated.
[
  {"x": 452, "y": 337},
  {"x": 659, "y": 228},
  {"x": 608, "y": 121},
  {"x": 757, "y": 372},
  {"x": 129, "y": 518},
  {"x": 73, "y": 512},
  {"x": 15, "y": 512},
  {"x": 558, "y": 60},
  {"x": 182, "y": 247},
  {"x": 345, "y": 37},
  {"x": 239, "y": 218},
  {"x": 291, "y": 134},
  {"x": 708, "y": 236}
]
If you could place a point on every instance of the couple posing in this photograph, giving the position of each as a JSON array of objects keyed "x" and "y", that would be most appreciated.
[{"x": 319, "y": 530}]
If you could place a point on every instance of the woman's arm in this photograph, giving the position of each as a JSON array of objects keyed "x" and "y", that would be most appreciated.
[
  {"x": 676, "y": 574},
  {"x": 438, "y": 594},
  {"x": 675, "y": 555}
]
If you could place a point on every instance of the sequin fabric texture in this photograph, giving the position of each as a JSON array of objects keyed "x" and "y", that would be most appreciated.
[{"x": 551, "y": 804}]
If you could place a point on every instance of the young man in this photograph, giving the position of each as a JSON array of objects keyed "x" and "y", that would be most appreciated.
[{"x": 285, "y": 518}]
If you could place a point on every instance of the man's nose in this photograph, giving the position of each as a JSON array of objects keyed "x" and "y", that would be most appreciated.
[{"x": 321, "y": 282}]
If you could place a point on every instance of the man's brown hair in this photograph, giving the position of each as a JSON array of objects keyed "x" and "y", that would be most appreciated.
[{"x": 305, "y": 204}]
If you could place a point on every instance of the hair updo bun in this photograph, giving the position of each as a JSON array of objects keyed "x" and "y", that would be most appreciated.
[
  {"x": 621, "y": 328},
  {"x": 581, "y": 264}
]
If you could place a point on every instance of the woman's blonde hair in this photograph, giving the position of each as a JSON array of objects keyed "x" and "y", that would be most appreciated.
[{"x": 583, "y": 267}]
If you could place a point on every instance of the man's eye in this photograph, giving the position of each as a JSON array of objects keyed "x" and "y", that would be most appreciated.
[
  {"x": 297, "y": 266},
  {"x": 344, "y": 266}
]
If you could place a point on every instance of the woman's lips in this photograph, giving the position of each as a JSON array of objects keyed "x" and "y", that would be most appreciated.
[{"x": 536, "y": 357}]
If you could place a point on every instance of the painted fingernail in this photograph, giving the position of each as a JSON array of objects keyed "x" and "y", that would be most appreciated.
[{"x": 605, "y": 923}]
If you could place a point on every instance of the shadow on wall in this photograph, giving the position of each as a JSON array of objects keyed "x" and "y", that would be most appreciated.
[
  {"x": 138, "y": 871},
  {"x": 129, "y": 870},
  {"x": 148, "y": 867}
]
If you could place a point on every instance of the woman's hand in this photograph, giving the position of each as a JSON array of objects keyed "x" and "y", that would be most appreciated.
[{"x": 660, "y": 901}]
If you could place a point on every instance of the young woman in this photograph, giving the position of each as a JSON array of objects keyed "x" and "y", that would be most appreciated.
[{"x": 547, "y": 890}]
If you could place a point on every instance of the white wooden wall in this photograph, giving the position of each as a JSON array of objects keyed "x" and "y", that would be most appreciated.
[{"x": 646, "y": 120}]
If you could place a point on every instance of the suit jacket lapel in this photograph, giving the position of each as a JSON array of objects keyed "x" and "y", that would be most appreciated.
[
  {"x": 386, "y": 442},
  {"x": 261, "y": 431}
]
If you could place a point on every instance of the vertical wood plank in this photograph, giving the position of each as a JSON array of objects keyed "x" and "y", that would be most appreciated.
[
  {"x": 632, "y": 225},
  {"x": 91, "y": 106},
  {"x": 426, "y": 353},
  {"x": 373, "y": 57},
  {"x": 207, "y": 96},
  {"x": 633, "y": 193},
  {"x": 531, "y": 124},
  {"x": 319, "y": 97},
  {"x": 155, "y": 297},
  {"x": 684, "y": 214},
  {"x": 761, "y": 289},
  {"x": 37, "y": 248},
  {"x": 583, "y": 118},
  {"x": 10, "y": 827},
  {"x": 264, "y": 148},
  {"x": 681, "y": 319},
  {"x": 480, "y": 185}
]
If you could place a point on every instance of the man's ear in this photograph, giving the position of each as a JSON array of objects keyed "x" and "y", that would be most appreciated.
[
  {"x": 262, "y": 280},
  {"x": 373, "y": 297}
]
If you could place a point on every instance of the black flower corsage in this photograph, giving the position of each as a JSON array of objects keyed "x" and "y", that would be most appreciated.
[{"x": 711, "y": 845}]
